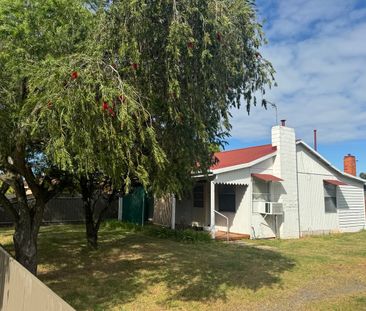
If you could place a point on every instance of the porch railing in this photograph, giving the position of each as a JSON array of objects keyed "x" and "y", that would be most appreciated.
[{"x": 227, "y": 224}]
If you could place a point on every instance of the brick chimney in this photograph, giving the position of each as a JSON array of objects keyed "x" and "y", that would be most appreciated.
[{"x": 350, "y": 164}]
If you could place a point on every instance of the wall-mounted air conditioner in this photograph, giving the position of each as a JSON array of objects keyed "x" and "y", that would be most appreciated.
[{"x": 271, "y": 208}]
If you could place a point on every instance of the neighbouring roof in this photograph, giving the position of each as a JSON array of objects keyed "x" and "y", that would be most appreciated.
[
  {"x": 335, "y": 182},
  {"x": 267, "y": 177},
  {"x": 241, "y": 156}
]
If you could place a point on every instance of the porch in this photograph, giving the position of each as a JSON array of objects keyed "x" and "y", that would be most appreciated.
[
  {"x": 224, "y": 236},
  {"x": 217, "y": 207},
  {"x": 229, "y": 208}
]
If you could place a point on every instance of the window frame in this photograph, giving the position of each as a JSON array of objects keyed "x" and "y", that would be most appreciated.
[
  {"x": 201, "y": 187},
  {"x": 330, "y": 195},
  {"x": 261, "y": 196},
  {"x": 224, "y": 194}
]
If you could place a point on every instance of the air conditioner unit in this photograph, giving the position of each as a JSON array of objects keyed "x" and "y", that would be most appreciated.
[{"x": 271, "y": 208}]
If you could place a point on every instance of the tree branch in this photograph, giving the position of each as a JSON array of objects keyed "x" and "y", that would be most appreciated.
[{"x": 4, "y": 188}]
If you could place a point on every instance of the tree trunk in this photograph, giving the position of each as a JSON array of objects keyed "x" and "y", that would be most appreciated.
[
  {"x": 25, "y": 244},
  {"x": 25, "y": 237},
  {"x": 91, "y": 230},
  {"x": 28, "y": 216},
  {"x": 91, "y": 234},
  {"x": 91, "y": 195}
]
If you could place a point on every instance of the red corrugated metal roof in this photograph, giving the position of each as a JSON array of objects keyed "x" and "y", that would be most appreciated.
[
  {"x": 335, "y": 182},
  {"x": 241, "y": 156},
  {"x": 267, "y": 177}
]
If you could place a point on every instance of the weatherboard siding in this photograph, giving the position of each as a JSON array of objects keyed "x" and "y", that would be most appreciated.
[
  {"x": 351, "y": 209},
  {"x": 313, "y": 218},
  {"x": 350, "y": 213},
  {"x": 309, "y": 164}
]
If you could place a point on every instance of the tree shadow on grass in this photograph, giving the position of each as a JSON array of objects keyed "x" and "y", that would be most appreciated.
[{"x": 128, "y": 265}]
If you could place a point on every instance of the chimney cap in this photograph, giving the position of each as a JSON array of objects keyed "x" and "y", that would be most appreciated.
[{"x": 283, "y": 122}]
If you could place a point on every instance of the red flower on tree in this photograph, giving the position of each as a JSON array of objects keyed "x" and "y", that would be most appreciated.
[
  {"x": 190, "y": 45},
  {"x": 135, "y": 66},
  {"x": 111, "y": 111},
  {"x": 105, "y": 106},
  {"x": 74, "y": 75},
  {"x": 49, "y": 104}
]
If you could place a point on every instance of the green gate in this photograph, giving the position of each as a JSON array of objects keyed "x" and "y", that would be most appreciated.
[{"x": 137, "y": 206}]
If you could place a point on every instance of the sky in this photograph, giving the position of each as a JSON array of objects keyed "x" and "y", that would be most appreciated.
[{"x": 318, "y": 48}]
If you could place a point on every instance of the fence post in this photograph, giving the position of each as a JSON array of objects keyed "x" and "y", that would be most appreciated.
[{"x": 173, "y": 211}]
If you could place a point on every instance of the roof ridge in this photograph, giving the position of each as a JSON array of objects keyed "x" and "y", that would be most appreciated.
[{"x": 224, "y": 151}]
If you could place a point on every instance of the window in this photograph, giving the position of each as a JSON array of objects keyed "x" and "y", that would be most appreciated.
[
  {"x": 260, "y": 190},
  {"x": 330, "y": 198},
  {"x": 226, "y": 198},
  {"x": 198, "y": 195}
]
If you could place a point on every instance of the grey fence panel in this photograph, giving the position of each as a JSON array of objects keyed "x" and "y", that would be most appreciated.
[
  {"x": 65, "y": 210},
  {"x": 22, "y": 291}
]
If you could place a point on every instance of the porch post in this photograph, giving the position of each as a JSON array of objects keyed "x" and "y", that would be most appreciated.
[
  {"x": 173, "y": 211},
  {"x": 212, "y": 209}
]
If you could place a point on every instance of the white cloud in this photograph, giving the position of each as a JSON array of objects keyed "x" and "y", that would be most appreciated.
[{"x": 319, "y": 51}]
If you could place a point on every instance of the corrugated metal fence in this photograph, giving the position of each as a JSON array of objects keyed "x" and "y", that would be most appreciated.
[
  {"x": 22, "y": 291},
  {"x": 64, "y": 210}
]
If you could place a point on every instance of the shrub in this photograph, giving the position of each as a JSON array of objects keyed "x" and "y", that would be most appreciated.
[
  {"x": 119, "y": 225},
  {"x": 181, "y": 235},
  {"x": 186, "y": 235}
]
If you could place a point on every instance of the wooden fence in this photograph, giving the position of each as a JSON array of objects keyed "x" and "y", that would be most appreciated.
[
  {"x": 22, "y": 291},
  {"x": 64, "y": 210},
  {"x": 163, "y": 209}
]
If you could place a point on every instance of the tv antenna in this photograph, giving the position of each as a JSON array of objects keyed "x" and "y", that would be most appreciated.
[{"x": 274, "y": 106}]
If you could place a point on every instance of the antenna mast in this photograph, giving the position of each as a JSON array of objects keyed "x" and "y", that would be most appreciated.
[{"x": 274, "y": 106}]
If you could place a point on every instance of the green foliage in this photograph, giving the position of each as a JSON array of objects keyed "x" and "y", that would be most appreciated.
[
  {"x": 197, "y": 60},
  {"x": 139, "y": 90}
]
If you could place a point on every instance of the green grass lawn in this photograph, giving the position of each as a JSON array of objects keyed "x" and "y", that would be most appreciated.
[{"x": 135, "y": 271}]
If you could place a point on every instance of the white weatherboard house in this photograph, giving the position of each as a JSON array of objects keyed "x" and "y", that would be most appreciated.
[{"x": 285, "y": 189}]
